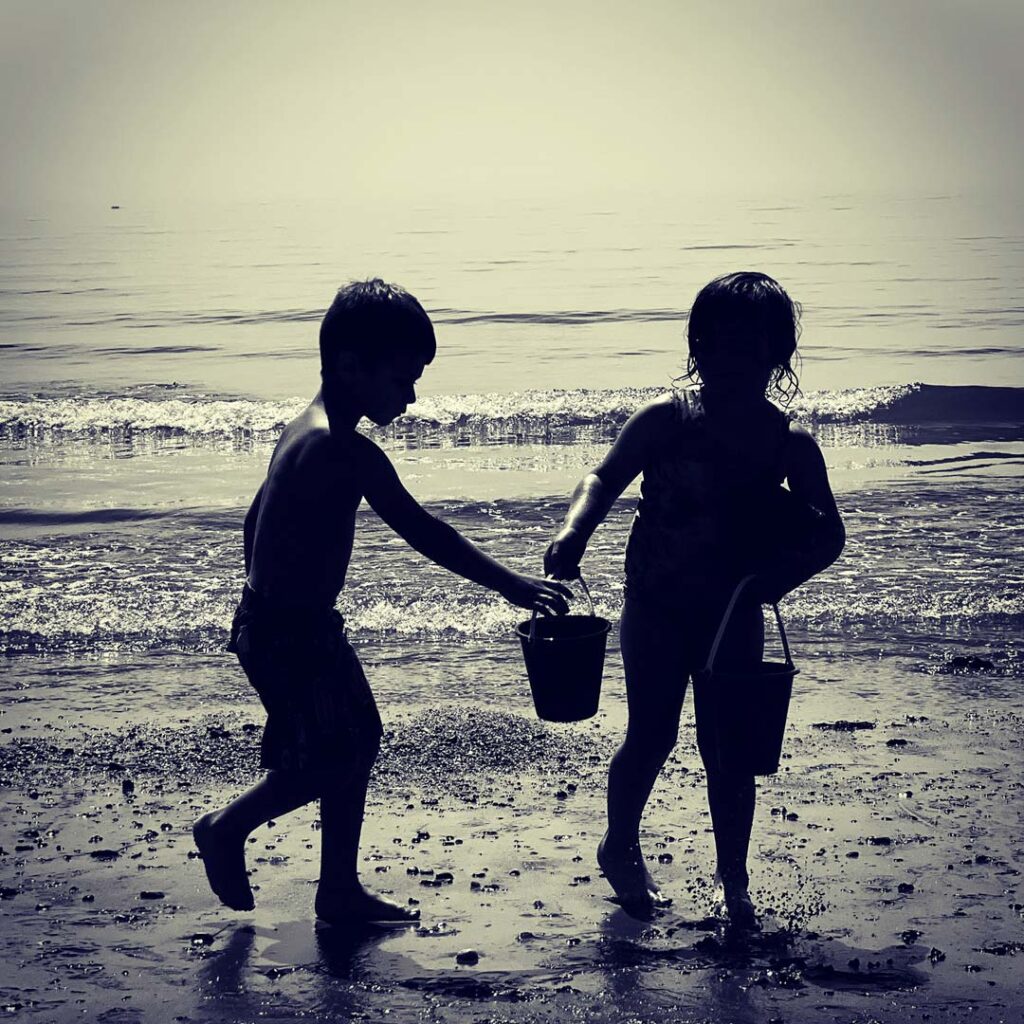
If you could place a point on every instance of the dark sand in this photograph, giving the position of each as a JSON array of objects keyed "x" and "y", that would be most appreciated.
[{"x": 885, "y": 865}]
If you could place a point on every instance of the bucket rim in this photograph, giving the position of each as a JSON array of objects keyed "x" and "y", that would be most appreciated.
[
  {"x": 601, "y": 627},
  {"x": 769, "y": 671}
]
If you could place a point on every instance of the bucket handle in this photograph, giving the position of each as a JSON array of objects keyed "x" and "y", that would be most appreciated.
[
  {"x": 723, "y": 625},
  {"x": 586, "y": 590}
]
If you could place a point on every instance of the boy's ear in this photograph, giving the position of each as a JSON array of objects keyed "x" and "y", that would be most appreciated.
[{"x": 344, "y": 364}]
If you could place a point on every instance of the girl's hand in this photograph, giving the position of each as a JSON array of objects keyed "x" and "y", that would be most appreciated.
[
  {"x": 544, "y": 596},
  {"x": 562, "y": 558}
]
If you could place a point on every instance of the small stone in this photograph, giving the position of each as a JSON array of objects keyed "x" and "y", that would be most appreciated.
[
  {"x": 151, "y": 894},
  {"x": 467, "y": 957}
]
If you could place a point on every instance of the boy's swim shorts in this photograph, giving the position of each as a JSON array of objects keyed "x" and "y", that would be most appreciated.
[{"x": 321, "y": 714}]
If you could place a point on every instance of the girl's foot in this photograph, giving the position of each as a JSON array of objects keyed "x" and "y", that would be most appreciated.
[
  {"x": 741, "y": 911},
  {"x": 224, "y": 862},
  {"x": 738, "y": 904},
  {"x": 635, "y": 890},
  {"x": 353, "y": 908}
]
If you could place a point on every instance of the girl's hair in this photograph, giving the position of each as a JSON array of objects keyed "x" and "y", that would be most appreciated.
[{"x": 750, "y": 305}]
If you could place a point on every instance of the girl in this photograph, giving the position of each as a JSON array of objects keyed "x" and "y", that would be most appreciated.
[{"x": 712, "y": 460}]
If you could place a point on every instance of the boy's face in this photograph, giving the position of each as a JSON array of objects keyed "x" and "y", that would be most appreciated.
[{"x": 386, "y": 389}]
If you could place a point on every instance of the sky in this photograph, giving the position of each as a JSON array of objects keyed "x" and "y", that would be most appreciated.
[{"x": 146, "y": 101}]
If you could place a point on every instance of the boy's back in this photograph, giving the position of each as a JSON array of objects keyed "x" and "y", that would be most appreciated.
[{"x": 300, "y": 527}]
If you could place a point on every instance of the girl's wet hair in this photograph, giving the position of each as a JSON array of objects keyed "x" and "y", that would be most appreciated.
[{"x": 747, "y": 305}]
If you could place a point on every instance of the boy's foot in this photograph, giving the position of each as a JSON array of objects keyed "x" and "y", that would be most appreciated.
[
  {"x": 635, "y": 890},
  {"x": 354, "y": 908},
  {"x": 224, "y": 862}
]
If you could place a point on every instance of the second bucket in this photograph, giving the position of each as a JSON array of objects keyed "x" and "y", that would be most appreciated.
[{"x": 564, "y": 657}]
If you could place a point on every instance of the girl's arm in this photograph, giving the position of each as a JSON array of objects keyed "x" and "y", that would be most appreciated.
[
  {"x": 597, "y": 491},
  {"x": 808, "y": 481}
]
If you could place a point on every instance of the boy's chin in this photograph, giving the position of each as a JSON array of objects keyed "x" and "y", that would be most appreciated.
[{"x": 384, "y": 419}]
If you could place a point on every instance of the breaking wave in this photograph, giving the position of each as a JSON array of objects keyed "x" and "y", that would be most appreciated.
[{"x": 540, "y": 413}]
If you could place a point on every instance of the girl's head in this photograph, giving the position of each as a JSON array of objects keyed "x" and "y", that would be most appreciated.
[{"x": 742, "y": 335}]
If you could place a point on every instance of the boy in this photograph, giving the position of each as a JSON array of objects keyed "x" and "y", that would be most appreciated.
[{"x": 323, "y": 731}]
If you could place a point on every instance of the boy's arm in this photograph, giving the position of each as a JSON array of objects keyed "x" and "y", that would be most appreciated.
[
  {"x": 442, "y": 543},
  {"x": 598, "y": 490},
  {"x": 249, "y": 526},
  {"x": 808, "y": 481}
]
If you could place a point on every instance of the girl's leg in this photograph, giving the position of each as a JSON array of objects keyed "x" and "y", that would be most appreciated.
[
  {"x": 220, "y": 835},
  {"x": 655, "y": 672},
  {"x": 731, "y": 795}
]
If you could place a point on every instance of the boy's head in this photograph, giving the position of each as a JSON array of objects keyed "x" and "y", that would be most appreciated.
[
  {"x": 743, "y": 329},
  {"x": 379, "y": 338}
]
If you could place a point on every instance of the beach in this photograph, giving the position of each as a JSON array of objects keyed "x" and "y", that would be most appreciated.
[
  {"x": 149, "y": 375},
  {"x": 887, "y": 877}
]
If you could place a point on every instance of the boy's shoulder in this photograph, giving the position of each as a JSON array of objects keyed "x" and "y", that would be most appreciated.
[{"x": 345, "y": 454}]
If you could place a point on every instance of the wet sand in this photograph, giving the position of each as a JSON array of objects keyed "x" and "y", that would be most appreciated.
[{"x": 885, "y": 865}]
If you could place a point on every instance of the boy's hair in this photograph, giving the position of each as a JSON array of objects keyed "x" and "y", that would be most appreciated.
[
  {"x": 747, "y": 304},
  {"x": 375, "y": 321}
]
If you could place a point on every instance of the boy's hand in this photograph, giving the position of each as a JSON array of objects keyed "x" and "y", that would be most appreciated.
[
  {"x": 562, "y": 558},
  {"x": 544, "y": 596}
]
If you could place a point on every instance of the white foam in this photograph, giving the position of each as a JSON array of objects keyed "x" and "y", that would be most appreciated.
[{"x": 533, "y": 410}]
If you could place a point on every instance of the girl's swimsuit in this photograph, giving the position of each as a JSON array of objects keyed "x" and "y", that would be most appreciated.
[{"x": 705, "y": 515}]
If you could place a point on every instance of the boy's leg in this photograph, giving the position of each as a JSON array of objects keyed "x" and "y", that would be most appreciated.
[
  {"x": 220, "y": 835},
  {"x": 655, "y": 686},
  {"x": 340, "y": 897}
]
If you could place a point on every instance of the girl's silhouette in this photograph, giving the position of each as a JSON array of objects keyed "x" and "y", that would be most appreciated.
[{"x": 711, "y": 512}]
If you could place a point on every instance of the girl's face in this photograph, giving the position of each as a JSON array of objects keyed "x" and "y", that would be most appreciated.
[{"x": 736, "y": 365}]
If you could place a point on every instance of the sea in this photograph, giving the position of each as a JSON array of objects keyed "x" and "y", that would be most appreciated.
[{"x": 151, "y": 355}]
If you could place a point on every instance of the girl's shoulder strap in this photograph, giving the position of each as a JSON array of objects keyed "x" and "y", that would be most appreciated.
[{"x": 688, "y": 407}]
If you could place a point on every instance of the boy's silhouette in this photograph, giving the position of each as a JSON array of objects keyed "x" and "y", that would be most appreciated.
[{"x": 323, "y": 730}]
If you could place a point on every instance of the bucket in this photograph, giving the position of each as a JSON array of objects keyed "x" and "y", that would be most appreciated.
[
  {"x": 564, "y": 657},
  {"x": 746, "y": 711}
]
